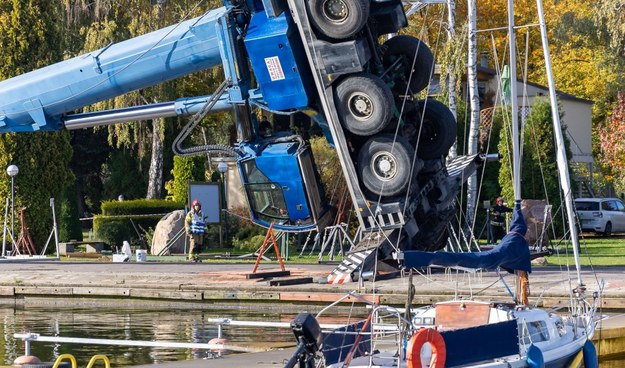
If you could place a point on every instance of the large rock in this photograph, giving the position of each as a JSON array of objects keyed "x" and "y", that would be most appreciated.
[
  {"x": 537, "y": 231},
  {"x": 166, "y": 229}
]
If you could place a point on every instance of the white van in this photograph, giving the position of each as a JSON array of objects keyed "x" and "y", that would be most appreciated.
[{"x": 601, "y": 215}]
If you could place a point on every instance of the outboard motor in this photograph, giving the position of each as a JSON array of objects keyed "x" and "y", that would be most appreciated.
[{"x": 309, "y": 339}]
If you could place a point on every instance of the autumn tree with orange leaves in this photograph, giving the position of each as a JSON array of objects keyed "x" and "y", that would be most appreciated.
[{"x": 612, "y": 138}]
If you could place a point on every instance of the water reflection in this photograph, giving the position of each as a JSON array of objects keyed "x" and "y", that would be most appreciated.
[
  {"x": 185, "y": 325},
  {"x": 131, "y": 324}
]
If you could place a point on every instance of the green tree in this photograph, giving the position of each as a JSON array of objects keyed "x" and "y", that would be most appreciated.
[
  {"x": 90, "y": 153},
  {"x": 122, "y": 175},
  {"x": 186, "y": 169},
  {"x": 539, "y": 169},
  {"x": 69, "y": 218},
  {"x": 30, "y": 38}
]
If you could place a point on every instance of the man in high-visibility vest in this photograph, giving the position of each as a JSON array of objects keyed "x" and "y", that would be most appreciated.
[
  {"x": 498, "y": 219},
  {"x": 195, "y": 227}
]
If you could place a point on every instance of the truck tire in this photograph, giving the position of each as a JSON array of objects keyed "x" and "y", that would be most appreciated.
[
  {"x": 384, "y": 165},
  {"x": 338, "y": 19},
  {"x": 364, "y": 104},
  {"x": 411, "y": 60},
  {"x": 438, "y": 129}
]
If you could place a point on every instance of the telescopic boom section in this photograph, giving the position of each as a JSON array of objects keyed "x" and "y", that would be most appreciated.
[{"x": 38, "y": 100}]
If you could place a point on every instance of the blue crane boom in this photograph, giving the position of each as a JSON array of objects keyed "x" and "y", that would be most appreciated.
[{"x": 37, "y": 100}]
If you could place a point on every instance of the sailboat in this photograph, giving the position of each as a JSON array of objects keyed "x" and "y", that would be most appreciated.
[
  {"x": 467, "y": 333},
  {"x": 463, "y": 333}
]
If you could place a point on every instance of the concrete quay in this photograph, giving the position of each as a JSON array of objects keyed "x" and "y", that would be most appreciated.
[{"x": 226, "y": 285}]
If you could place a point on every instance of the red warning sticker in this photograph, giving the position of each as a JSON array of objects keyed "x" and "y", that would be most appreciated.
[{"x": 274, "y": 68}]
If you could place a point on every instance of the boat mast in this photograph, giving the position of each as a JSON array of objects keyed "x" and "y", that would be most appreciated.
[
  {"x": 522, "y": 284},
  {"x": 561, "y": 158},
  {"x": 516, "y": 160}
]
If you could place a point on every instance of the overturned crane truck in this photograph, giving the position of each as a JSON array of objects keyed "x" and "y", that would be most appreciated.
[{"x": 324, "y": 60}]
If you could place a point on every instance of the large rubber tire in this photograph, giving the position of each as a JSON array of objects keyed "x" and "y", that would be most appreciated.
[
  {"x": 338, "y": 19},
  {"x": 364, "y": 104},
  {"x": 384, "y": 167},
  {"x": 414, "y": 69},
  {"x": 438, "y": 130}
]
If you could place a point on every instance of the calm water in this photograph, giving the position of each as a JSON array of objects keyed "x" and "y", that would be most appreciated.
[
  {"x": 133, "y": 324},
  {"x": 150, "y": 325}
]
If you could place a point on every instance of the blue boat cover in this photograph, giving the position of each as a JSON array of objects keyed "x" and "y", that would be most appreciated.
[
  {"x": 479, "y": 343},
  {"x": 338, "y": 343},
  {"x": 511, "y": 254}
]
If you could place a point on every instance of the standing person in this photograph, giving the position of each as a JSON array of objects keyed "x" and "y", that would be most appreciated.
[
  {"x": 498, "y": 220},
  {"x": 195, "y": 227}
]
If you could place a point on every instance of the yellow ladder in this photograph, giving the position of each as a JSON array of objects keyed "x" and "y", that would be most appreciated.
[{"x": 70, "y": 357}]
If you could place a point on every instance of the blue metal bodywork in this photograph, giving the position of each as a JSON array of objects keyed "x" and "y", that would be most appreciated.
[
  {"x": 273, "y": 50},
  {"x": 275, "y": 184}
]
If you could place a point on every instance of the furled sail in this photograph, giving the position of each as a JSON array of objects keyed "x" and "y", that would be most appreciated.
[{"x": 512, "y": 253}]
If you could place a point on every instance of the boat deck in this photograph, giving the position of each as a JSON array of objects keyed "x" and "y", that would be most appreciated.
[{"x": 273, "y": 358}]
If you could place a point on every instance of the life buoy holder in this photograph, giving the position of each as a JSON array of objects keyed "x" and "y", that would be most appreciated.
[{"x": 439, "y": 351}]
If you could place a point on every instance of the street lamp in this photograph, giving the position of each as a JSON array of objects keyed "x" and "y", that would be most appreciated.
[
  {"x": 223, "y": 169},
  {"x": 12, "y": 171}
]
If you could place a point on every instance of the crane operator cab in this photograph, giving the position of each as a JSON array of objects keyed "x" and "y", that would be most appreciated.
[{"x": 282, "y": 185}]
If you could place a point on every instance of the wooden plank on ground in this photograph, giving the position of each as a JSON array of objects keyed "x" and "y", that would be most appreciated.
[
  {"x": 83, "y": 255},
  {"x": 264, "y": 275},
  {"x": 291, "y": 281}
]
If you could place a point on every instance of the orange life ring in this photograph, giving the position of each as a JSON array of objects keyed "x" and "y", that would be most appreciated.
[{"x": 439, "y": 351}]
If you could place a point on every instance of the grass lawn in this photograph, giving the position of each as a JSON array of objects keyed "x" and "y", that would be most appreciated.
[{"x": 595, "y": 250}]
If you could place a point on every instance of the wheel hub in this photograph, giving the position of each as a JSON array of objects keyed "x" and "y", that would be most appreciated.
[
  {"x": 360, "y": 106},
  {"x": 384, "y": 166},
  {"x": 335, "y": 10}
]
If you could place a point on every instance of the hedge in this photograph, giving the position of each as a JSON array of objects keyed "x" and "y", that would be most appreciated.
[{"x": 114, "y": 225}]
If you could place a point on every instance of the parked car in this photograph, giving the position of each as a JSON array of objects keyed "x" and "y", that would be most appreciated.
[{"x": 601, "y": 215}]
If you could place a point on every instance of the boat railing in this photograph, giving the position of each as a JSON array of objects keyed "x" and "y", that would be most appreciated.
[
  {"x": 29, "y": 337},
  {"x": 352, "y": 294},
  {"x": 387, "y": 327}
]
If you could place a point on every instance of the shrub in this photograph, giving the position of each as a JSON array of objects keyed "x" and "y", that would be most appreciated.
[
  {"x": 135, "y": 217},
  {"x": 113, "y": 233},
  {"x": 250, "y": 244}
]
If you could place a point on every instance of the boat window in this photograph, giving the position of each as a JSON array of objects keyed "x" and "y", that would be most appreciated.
[
  {"x": 423, "y": 321},
  {"x": 534, "y": 331}
]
